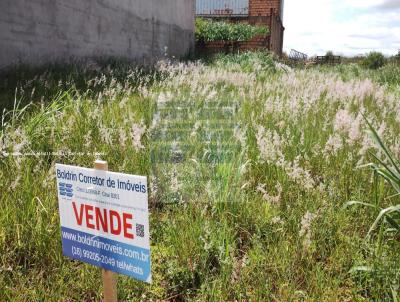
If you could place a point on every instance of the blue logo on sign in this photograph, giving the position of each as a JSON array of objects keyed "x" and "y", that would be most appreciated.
[{"x": 65, "y": 189}]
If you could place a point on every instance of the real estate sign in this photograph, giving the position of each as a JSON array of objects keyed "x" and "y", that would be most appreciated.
[{"x": 105, "y": 220}]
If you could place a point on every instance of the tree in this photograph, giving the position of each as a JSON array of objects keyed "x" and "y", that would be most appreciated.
[{"x": 374, "y": 60}]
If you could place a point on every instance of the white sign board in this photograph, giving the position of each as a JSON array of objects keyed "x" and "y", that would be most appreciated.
[{"x": 105, "y": 219}]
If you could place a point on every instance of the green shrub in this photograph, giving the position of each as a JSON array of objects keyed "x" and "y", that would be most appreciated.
[
  {"x": 208, "y": 31},
  {"x": 397, "y": 57},
  {"x": 374, "y": 60}
]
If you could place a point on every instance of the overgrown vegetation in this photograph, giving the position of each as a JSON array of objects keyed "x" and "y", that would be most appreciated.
[
  {"x": 245, "y": 62},
  {"x": 387, "y": 167},
  {"x": 250, "y": 165},
  {"x": 374, "y": 60},
  {"x": 388, "y": 75},
  {"x": 208, "y": 31}
]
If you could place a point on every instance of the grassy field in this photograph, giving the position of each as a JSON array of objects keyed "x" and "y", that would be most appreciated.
[{"x": 250, "y": 165}]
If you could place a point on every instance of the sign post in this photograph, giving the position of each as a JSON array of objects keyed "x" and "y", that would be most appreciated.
[
  {"x": 104, "y": 220},
  {"x": 109, "y": 278}
]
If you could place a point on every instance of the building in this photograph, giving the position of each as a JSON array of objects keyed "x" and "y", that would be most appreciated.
[
  {"x": 47, "y": 30},
  {"x": 256, "y": 12}
]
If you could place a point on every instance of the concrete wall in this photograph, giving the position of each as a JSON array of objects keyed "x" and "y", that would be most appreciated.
[{"x": 37, "y": 31}]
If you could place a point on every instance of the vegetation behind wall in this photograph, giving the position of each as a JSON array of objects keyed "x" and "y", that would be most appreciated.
[{"x": 209, "y": 31}]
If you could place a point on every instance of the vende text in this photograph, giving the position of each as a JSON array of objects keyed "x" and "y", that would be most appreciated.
[{"x": 105, "y": 220}]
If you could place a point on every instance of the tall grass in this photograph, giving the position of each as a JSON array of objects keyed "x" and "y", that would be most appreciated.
[
  {"x": 387, "y": 167},
  {"x": 249, "y": 165}
]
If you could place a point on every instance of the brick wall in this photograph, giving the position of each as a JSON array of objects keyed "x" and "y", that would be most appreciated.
[{"x": 263, "y": 7}]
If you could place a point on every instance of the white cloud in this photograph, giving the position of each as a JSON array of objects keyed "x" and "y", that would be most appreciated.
[
  {"x": 347, "y": 27},
  {"x": 363, "y": 3},
  {"x": 376, "y": 4}
]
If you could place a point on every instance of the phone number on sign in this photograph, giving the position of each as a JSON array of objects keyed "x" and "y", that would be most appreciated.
[{"x": 81, "y": 253}]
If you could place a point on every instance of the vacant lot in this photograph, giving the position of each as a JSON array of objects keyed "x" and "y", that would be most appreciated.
[{"x": 250, "y": 166}]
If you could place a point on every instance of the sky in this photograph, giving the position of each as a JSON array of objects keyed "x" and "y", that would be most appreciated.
[{"x": 347, "y": 27}]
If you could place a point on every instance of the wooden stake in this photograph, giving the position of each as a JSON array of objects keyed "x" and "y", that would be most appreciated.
[
  {"x": 109, "y": 285},
  {"x": 109, "y": 278}
]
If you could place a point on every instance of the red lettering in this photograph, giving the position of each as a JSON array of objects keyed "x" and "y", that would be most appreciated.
[
  {"x": 79, "y": 217},
  {"x": 115, "y": 230},
  {"x": 127, "y": 225},
  {"x": 104, "y": 220},
  {"x": 89, "y": 217},
  {"x": 101, "y": 220}
]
